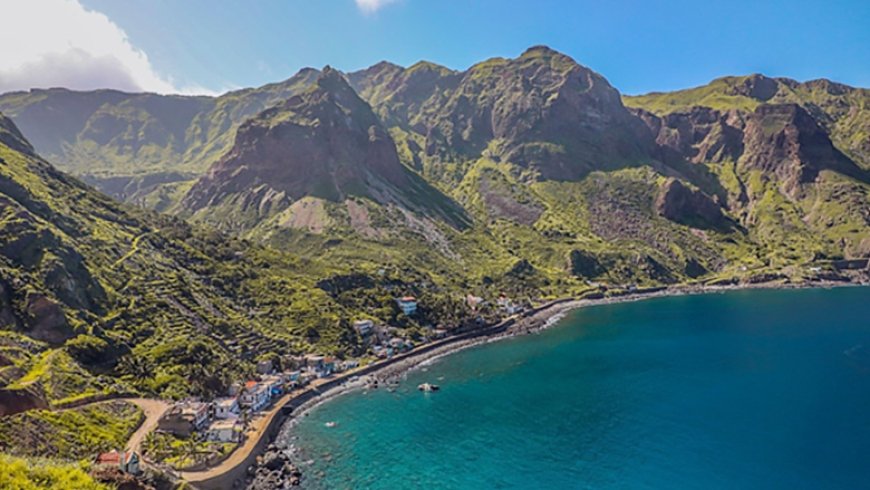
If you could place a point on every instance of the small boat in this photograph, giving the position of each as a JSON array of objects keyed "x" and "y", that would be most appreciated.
[
  {"x": 330, "y": 424},
  {"x": 428, "y": 387}
]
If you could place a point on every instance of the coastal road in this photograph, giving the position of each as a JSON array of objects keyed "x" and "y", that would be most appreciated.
[
  {"x": 153, "y": 409},
  {"x": 258, "y": 426}
]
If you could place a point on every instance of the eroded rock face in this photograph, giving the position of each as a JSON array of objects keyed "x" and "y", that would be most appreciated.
[
  {"x": 20, "y": 400},
  {"x": 690, "y": 207},
  {"x": 700, "y": 135},
  {"x": 45, "y": 320},
  {"x": 325, "y": 143},
  {"x": 784, "y": 140}
]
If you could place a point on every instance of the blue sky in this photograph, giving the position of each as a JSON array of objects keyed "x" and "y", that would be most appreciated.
[{"x": 639, "y": 46}]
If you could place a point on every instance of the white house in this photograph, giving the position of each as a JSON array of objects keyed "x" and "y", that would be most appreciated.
[
  {"x": 363, "y": 327},
  {"x": 226, "y": 408},
  {"x": 256, "y": 396},
  {"x": 225, "y": 431}
]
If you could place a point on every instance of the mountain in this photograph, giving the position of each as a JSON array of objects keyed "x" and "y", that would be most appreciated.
[
  {"x": 790, "y": 157},
  {"x": 129, "y": 145},
  {"x": 535, "y": 160},
  {"x": 324, "y": 143},
  {"x": 842, "y": 112},
  {"x": 551, "y": 117}
]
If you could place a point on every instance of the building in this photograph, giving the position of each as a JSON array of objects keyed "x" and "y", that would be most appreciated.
[
  {"x": 349, "y": 364},
  {"x": 225, "y": 431},
  {"x": 126, "y": 461},
  {"x": 473, "y": 301},
  {"x": 314, "y": 362},
  {"x": 255, "y": 397},
  {"x": 329, "y": 365},
  {"x": 400, "y": 345},
  {"x": 265, "y": 367},
  {"x": 408, "y": 305},
  {"x": 364, "y": 327},
  {"x": 306, "y": 378},
  {"x": 290, "y": 363},
  {"x": 226, "y": 408},
  {"x": 184, "y": 418},
  {"x": 506, "y": 305},
  {"x": 275, "y": 385}
]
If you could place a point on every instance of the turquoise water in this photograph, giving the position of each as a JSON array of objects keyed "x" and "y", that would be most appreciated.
[{"x": 749, "y": 389}]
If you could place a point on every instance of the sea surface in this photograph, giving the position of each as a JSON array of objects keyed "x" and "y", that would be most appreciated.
[{"x": 756, "y": 389}]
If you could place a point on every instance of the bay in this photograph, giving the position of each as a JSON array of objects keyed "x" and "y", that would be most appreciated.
[{"x": 745, "y": 389}]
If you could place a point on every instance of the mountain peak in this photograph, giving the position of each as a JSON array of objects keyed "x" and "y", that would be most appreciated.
[
  {"x": 540, "y": 50},
  {"x": 12, "y": 137}
]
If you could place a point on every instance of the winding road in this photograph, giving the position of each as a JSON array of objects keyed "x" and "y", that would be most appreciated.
[{"x": 153, "y": 409}]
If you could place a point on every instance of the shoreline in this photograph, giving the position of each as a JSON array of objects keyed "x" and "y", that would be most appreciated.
[
  {"x": 538, "y": 319},
  {"x": 537, "y": 322}
]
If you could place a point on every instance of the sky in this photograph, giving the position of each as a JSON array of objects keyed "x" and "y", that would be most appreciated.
[{"x": 209, "y": 47}]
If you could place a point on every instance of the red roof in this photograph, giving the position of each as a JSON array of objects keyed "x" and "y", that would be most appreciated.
[
  {"x": 408, "y": 298},
  {"x": 109, "y": 458},
  {"x": 251, "y": 384},
  {"x": 112, "y": 457}
]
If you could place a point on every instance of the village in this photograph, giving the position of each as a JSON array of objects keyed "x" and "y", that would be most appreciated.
[{"x": 195, "y": 434}]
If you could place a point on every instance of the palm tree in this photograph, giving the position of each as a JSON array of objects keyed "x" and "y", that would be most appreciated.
[{"x": 189, "y": 451}]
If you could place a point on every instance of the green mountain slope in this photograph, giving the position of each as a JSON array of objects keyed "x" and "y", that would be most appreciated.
[
  {"x": 128, "y": 144},
  {"x": 790, "y": 158}
]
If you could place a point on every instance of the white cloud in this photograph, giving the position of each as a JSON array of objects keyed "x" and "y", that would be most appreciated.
[
  {"x": 371, "y": 6},
  {"x": 59, "y": 43}
]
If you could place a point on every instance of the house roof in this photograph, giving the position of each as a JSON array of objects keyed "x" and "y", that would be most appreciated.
[
  {"x": 114, "y": 457},
  {"x": 224, "y": 424},
  {"x": 407, "y": 299},
  {"x": 111, "y": 457},
  {"x": 226, "y": 402},
  {"x": 251, "y": 384}
]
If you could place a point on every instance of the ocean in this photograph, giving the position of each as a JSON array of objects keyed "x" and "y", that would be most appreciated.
[{"x": 752, "y": 389}]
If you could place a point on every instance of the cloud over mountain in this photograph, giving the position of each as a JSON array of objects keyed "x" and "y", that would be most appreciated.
[{"x": 53, "y": 43}]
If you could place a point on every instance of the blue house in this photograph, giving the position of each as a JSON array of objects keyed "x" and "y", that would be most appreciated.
[{"x": 408, "y": 305}]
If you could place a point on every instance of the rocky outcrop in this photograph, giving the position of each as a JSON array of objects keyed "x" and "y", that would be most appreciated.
[
  {"x": 690, "y": 207},
  {"x": 45, "y": 320},
  {"x": 274, "y": 471},
  {"x": 19, "y": 400},
  {"x": 785, "y": 141},
  {"x": 12, "y": 137},
  {"x": 699, "y": 135}
]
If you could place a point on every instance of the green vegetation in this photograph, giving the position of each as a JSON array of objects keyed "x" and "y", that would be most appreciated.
[
  {"x": 44, "y": 474},
  {"x": 72, "y": 434},
  {"x": 181, "y": 453}
]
